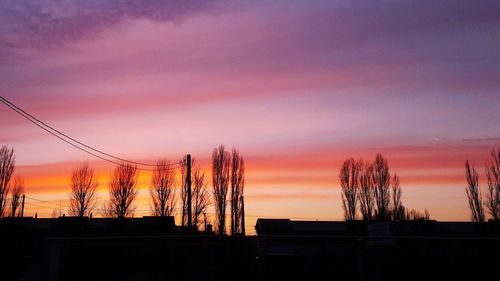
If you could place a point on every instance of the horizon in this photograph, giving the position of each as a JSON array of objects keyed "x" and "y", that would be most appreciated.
[{"x": 297, "y": 88}]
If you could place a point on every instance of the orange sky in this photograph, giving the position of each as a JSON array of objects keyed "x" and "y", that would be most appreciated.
[{"x": 301, "y": 184}]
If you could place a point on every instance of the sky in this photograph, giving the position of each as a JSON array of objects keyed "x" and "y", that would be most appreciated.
[{"x": 296, "y": 86}]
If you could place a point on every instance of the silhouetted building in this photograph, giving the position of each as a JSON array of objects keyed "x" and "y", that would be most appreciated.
[
  {"x": 154, "y": 248},
  {"x": 358, "y": 250}
]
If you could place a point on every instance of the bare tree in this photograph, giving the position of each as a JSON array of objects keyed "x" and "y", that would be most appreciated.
[
  {"x": 122, "y": 191},
  {"x": 220, "y": 180},
  {"x": 474, "y": 193},
  {"x": 366, "y": 195},
  {"x": 163, "y": 189},
  {"x": 427, "y": 216},
  {"x": 493, "y": 176},
  {"x": 7, "y": 166},
  {"x": 381, "y": 181},
  {"x": 349, "y": 182},
  {"x": 17, "y": 191},
  {"x": 237, "y": 186},
  {"x": 55, "y": 214},
  {"x": 414, "y": 215},
  {"x": 83, "y": 197},
  {"x": 200, "y": 197},
  {"x": 398, "y": 211}
]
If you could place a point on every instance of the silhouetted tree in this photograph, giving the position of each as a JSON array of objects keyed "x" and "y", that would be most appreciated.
[
  {"x": 17, "y": 191},
  {"x": 398, "y": 211},
  {"x": 349, "y": 182},
  {"x": 493, "y": 177},
  {"x": 366, "y": 195},
  {"x": 163, "y": 189},
  {"x": 83, "y": 197},
  {"x": 7, "y": 166},
  {"x": 371, "y": 185},
  {"x": 414, "y": 215},
  {"x": 55, "y": 213},
  {"x": 200, "y": 197},
  {"x": 221, "y": 161},
  {"x": 474, "y": 193},
  {"x": 122, "y": 191},
  {"x": 381, "y": 181},
  {"x": 237, "y": 186}
]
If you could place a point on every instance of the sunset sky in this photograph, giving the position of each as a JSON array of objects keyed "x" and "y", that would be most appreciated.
[{"x": 296, "y": 86}]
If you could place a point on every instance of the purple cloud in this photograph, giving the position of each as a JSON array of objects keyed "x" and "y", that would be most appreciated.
[{"x": 46, "y": 24}]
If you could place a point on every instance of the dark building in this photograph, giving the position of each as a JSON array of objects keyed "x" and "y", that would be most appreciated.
[
  {"x": 357, "y": 250},
  {"x": 148, "y": 248},
  {"x": 154, "y": 248}
]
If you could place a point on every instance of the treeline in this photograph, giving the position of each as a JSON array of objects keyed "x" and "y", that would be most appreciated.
[
  {"x": 9, "y": 184},
  {"x": 228, "y": 181},
  {"x": 370, "y": 193},
  {"x": 368, "y": 190},
  {"x": 473, "y": 190}
]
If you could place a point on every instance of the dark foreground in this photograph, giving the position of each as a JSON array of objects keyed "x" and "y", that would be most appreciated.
[{"x": 155, "y": 249}]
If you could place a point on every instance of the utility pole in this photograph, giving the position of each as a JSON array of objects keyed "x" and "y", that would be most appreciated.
[
  {"x": 205, "y": 221},
  {"x": 188, "y": 182},
  {"x": 242, "y": 216},
  {"x": 22, "y": 206}
]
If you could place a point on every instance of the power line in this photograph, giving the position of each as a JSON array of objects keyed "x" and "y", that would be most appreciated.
[
  {"x": 46, "y": 202},
  {"x": 58, "y": 134},
  {"x": 142, "y": 211},
  {"x": 176, "y": 209},
  {"x": 21, "y": 111},
  {"x": 66, "y": 141},
  {"x": 40, "y": 206},
  {"x": 54, "y": 205},
  {"x": 66, "y": 208}
]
